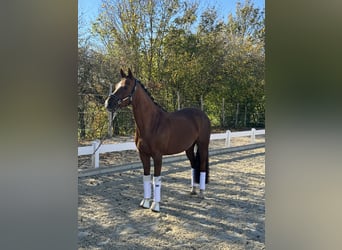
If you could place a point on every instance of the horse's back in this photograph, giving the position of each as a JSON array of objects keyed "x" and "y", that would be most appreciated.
[
  {"x": 191, "y": 112},
  {"x": 194, "y": 119},
  {"x": 197, "y": 115}
]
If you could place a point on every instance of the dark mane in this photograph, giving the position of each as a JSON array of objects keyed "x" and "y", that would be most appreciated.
[{"x": 149, "y": 94}]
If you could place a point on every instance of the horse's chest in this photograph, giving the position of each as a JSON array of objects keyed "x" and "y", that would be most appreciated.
[
  {"x": 143, "y": 146},
  {"x": 151, "y": 146}
]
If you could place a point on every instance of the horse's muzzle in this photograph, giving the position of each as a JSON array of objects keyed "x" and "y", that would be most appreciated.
[{"x": 111, "y": 104}]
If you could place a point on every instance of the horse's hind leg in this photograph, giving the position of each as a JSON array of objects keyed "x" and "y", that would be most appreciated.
[
  {"x": 155, "y": 207},
  {"x": 204, "y": 167},
  {"x": 191, "y": 156}
]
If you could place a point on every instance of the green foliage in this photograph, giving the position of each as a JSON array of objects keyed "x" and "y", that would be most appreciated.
[
  {"x": 124, "y": 123},
  {"x": 174, "y": 53}
]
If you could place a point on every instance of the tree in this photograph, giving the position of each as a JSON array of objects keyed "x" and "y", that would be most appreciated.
[
  {"x": 95, "y": 72},
  {"x": 248, "y": 22},
  {"x": 244, "y": 60},
  {"x": 210, "y": 53},
  {"x": 177, "y": 49},
  {"x": 134, "y": 31}
]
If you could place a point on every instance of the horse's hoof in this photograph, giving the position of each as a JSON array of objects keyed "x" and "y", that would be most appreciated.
[
  {"x": 145, "y": 203},
  {"x": 193, "y": 191},
  {"x": 201, "y": 194},
  {"x": 155, "y": 207}
]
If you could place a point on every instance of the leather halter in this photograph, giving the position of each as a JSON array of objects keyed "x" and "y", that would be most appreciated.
[{"x": 129, "y": 97}]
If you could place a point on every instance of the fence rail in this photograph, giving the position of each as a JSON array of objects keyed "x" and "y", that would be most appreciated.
[{"x": 96, "y": 149}]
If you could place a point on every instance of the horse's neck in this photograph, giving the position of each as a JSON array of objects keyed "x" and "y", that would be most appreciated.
[{"x": 145, "y": 112}]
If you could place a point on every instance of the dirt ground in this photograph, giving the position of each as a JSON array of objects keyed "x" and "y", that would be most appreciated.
[{"x": 231, "y": 216}]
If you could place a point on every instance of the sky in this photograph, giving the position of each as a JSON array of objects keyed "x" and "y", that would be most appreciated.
[{"x": 89, "y": 8}]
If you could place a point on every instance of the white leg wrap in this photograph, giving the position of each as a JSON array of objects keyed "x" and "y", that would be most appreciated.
[
  {"x": 156, "y": 193},
  {"x": 145, "y": 203},
  {"x": 156, "y": 188},
  {"x": 147, "y": 186},
  {"x": 202, "y": 180},
  {"x": 192, "y": 177},
  {"x": 193, "y": 184}
]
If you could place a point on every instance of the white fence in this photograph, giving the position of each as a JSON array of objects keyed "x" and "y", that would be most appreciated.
[{"x": 96, "y": 149}]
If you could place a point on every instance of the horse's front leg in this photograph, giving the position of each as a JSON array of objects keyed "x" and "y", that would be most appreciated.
[
  {"x": 145, "y": 159},
  {"x": 157, "y": 183}
]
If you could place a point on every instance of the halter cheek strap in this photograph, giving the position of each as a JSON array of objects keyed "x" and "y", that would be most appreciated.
[{"x": 129, "y": 97}]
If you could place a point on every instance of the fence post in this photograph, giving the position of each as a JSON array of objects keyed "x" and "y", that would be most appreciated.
[
  {"x": 202, "y": 102},
  {"x": 228, "y": 136},
  {"x": 110, "y": 118},
  {"x": 245, "y": 118},
  {"x": 95, "y": 158},
  {"x": 223, "y": 119},
  {"x": 253, "y": 135},
  {"x": 237, "y": 115}
]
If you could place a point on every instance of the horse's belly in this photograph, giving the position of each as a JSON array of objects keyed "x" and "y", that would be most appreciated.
[{"x": 178, "y": 146}]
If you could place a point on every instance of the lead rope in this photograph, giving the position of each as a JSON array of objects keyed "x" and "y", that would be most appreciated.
[{"x": 101, "y": 140}]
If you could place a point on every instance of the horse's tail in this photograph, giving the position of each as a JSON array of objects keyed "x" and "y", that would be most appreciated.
[{"x": 197, "y": 167}]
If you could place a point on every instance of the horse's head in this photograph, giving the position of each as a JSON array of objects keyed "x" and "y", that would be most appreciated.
[{"x": 123, "y": 93}]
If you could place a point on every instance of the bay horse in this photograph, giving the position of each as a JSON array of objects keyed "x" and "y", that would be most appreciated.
[{"x": 159, "y": 133}]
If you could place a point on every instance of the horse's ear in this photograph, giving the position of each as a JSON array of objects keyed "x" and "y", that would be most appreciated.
[
  {"x": 130, "y": 75},
  {"x": 123, "y": 75}
]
